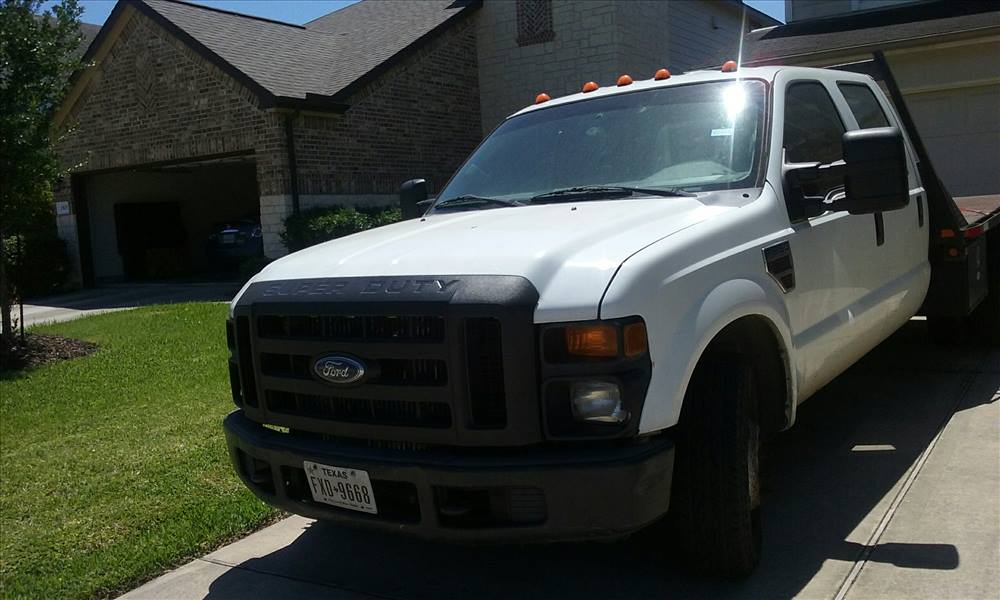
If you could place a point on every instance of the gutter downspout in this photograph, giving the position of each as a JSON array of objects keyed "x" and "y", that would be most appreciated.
[{"x": 293, "y": 167}]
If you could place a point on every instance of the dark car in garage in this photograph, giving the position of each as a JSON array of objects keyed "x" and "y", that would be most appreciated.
[{"x": 232, "y": 242}]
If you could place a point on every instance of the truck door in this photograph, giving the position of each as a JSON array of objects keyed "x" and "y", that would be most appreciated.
[
  {"x": 900, "y": 234},
  {"x": 835, "y": 254}
]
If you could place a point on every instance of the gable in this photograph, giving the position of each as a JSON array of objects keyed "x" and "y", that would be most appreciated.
[{"x": 151, "y": 98}]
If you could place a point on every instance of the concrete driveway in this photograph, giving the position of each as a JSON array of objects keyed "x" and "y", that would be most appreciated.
[
  {"x": 65, "y": 307},
  {"x": 887, "y": 487}
]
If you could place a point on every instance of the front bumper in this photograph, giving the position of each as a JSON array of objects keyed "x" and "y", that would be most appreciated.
[{"x": 489, "y": 496}]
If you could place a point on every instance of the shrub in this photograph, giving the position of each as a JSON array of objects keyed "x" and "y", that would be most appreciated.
[
  {"x": 42, "y": 269},
  {"x": 316, "y": 225}
]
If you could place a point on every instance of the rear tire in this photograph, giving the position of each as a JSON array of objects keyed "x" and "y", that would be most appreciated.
[
  {"x": 715, "y": 500},
  {"x": 984, "y": 322}
]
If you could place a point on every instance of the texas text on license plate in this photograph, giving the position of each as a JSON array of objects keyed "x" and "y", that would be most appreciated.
[{"x": 341, "y": 486}]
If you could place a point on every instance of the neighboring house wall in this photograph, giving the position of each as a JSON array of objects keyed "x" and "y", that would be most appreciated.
[
  {"x": 705, "y": 33},
  {"x": 584, "y": 47},
  {"x": 597, "y": 40},
  {"x": 797, "y": 10}
]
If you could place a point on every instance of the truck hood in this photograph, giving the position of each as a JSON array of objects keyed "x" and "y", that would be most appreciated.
[{"x": 569, "y": 252}]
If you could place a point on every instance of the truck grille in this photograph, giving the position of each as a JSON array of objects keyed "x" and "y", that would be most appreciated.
[
  {"x": 392, "y": 328},
  {"x": 485, "y": 353},
  {"x": 359, "y": 410},
  {"x": 435, "y": 372},
  {"x": 391, "y": 371}
]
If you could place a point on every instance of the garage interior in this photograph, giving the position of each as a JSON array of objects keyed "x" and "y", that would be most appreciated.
[{"x": 154, "y": 223}]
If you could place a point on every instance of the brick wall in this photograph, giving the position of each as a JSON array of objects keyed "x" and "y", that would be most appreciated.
[
  {"x": 154, "y": 99},
  {"x": 418, "y": 119}
]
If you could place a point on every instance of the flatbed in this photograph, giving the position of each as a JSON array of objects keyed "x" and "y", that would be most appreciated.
[{"x": 983, "y": 211}]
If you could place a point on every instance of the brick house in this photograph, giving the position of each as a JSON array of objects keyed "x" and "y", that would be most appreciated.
[{"x": 192, "y": 115}]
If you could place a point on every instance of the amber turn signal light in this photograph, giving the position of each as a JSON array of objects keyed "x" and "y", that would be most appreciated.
[
  {"x": 635, "y": 339},
  {"x": 592, "y": 340}
]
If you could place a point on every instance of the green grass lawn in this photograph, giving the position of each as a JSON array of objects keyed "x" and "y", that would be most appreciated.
[{"x": 113, "y": 467}]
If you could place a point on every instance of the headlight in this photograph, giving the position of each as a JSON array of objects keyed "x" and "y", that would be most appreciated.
[
  {"x": 597, "y": 402},
  {"x": 594, "y": 377}
]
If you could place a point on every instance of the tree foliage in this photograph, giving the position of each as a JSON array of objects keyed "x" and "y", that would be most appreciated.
[{"x": 39, "y": 52}]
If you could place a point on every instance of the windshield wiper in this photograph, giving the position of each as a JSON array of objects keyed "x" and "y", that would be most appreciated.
[
  {"x": 468, "y": 200},
  {"x": 607, "y": 191}
]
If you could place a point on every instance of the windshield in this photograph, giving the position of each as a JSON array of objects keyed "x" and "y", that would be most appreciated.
[{"x": 690, "y": 138}]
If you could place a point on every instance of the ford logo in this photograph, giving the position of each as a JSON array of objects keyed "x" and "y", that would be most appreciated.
[{"x": 339, "y": 369}]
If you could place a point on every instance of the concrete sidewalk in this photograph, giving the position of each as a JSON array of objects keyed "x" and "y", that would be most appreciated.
[
  {"x": 109, "y": 298},
  {"x": 887, "y": 487}
]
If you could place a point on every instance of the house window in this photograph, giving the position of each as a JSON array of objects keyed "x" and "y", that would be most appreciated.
[{"x": 534, "y": 22}]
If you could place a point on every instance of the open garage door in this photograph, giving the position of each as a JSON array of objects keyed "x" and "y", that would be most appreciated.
[{"x": 189, "y": 221}]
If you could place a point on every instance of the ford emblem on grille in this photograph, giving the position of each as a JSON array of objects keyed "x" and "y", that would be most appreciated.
[{"x": 338, "y": 369}]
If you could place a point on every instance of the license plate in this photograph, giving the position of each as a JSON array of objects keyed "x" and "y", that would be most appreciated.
[
  {"x": 341, "y": 486},
  {"x": 228, "y": 238}
]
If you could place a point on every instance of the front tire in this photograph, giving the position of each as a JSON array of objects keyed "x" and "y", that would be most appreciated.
[{"x": 715, "y": 501}]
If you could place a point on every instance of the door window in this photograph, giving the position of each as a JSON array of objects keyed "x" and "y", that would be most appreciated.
[
  {"x": 813, "y": 129},
  {"x": 864, "y": 105}
]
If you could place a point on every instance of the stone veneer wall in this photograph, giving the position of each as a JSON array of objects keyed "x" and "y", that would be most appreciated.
[{"x": 597, "y": 40}]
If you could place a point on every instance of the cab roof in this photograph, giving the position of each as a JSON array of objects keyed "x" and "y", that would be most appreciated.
[{"x": 610, "y": 89}]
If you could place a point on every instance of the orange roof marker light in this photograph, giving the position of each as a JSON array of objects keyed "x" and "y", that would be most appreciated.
[
  {"x": 590, "y": 86},
  {"x": 624, "y": 80},
  {"x": 543, "y": 97},
  {"x": 729, "y": 66},
  {"x": 662, "y": 74}
]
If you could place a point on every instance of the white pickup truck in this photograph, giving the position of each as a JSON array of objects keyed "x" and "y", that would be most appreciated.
[{"x": 603, "y": 313}]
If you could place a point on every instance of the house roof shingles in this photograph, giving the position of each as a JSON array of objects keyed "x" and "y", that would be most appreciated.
[
  {"x": 322, "y": 58},
  {"x": 861, "y": 31}
]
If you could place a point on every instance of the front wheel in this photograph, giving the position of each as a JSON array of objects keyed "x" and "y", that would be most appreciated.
[{"x": 715, "y": 501}]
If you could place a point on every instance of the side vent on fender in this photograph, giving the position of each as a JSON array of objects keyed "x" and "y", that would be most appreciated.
[{"x": 778, "y": 260}]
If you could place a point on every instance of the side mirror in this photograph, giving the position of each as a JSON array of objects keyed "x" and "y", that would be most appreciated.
[
  {"x": 411, "y": 193},
  {"x": 875, "y": 177}
]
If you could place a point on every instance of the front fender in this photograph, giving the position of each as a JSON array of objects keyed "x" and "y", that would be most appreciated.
[
  {"x": 683, "y": 315},
  {"x": 720, "y": 307}
]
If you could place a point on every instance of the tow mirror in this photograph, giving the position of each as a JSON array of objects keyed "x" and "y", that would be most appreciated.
[
  {"x": 411, "y": 194},
  {"x": 875, "y": 177}
]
